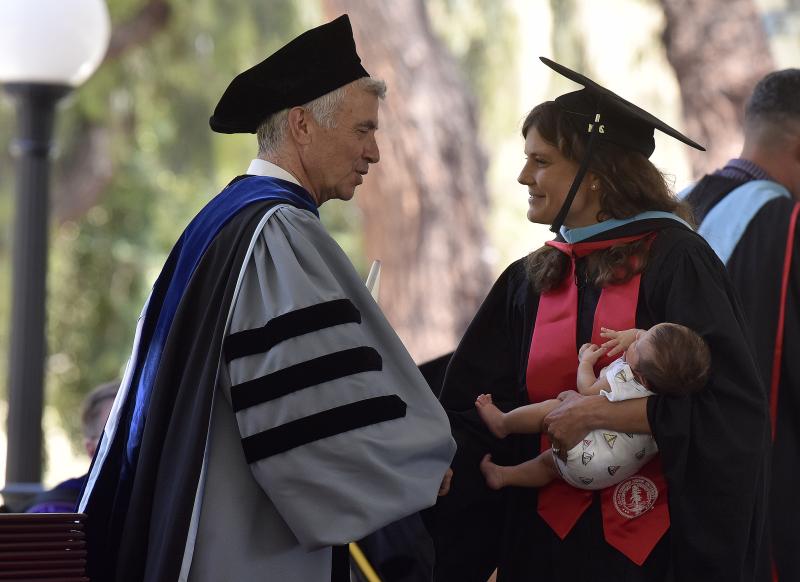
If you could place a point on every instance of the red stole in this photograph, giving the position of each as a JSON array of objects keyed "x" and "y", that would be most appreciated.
[
  {"x": 777, "y": 358},
  {"x": 635, "y": 512}
]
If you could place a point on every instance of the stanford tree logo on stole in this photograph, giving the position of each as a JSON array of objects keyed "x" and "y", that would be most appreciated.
[{"x": 635, "y": 496}]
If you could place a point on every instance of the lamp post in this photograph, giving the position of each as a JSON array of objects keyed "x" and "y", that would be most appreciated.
[{"x": 47, "y": 48}]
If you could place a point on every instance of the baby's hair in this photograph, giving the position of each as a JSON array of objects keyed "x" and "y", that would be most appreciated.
[{"x": 679, "y": 361}]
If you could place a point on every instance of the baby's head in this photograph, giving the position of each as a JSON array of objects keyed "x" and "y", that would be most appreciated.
[{"x": 671, "y": 359}]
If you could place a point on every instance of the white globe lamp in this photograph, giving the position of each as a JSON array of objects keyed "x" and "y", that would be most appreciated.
[{"x": 47, "y": 48}]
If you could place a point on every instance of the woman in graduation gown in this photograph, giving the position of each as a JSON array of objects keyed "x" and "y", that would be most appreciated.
[{"x": 625, "y": 257}]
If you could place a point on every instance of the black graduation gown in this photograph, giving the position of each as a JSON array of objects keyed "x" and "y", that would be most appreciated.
[
  {"x": 756, "y": 267},
  {"x": 712, "y": 444}
]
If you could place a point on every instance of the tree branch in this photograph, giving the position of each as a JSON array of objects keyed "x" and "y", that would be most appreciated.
[
  {"x": 89, "y": 167},
  {"x": 137, "y": 30}
]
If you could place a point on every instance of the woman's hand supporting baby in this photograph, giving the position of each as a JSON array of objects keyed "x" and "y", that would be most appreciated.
[
  {"x": 578, "y": 415},
  {"x": 570, "y": 422}
]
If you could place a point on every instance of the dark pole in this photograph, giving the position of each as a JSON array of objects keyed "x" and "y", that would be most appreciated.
[{"x": 35, "y": 106}]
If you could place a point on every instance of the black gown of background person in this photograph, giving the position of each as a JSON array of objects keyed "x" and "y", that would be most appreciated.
[
  {"x": 712, "y": 444},
  {"x": 755, "y": 267}
]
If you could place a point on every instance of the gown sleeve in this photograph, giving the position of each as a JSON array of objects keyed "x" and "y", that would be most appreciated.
[
  {"x": 714, "y": 444},
  {"x": 338, "y": 426},
  {"x": 467, "y": 524}
]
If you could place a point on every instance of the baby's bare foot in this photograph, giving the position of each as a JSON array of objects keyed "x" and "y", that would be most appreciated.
[
  {"x": 492, "y": 473},
  {"x": 491, "y": 415}
]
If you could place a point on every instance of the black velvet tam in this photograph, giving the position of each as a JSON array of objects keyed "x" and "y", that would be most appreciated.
[
  {"x": 621, "y": 122},
  {"x": 313, "y": 64}
]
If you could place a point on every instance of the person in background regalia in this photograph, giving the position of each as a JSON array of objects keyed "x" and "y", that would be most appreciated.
[
  {"x": 94, "y": 411},
  {"x": 269, "y": 414},
  {"x": 748, "y": 213},
  {"x": 624, "y": 256}
]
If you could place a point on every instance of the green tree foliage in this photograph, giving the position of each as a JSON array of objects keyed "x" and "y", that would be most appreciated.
[
  {"x": 483, "y": 34},
  {"x": 156, "y": 99},
  {"x": 153, "y": 101}
]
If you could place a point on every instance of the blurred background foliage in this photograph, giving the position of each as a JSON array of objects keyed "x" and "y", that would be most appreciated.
[
  {"x": 154, "y": 162},
  {"x": 154, "y": 102}
]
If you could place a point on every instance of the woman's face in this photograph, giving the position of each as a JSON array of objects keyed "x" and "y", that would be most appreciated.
[{"x": 548, "y": 176}]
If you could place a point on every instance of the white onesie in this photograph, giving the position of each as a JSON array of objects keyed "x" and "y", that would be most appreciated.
[{"x": 605, "y": 457}]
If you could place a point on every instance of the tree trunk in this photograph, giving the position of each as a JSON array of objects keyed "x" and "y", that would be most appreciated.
[
  {"x": 425, "y": 204},
  {"x": 719, "y": 51}
]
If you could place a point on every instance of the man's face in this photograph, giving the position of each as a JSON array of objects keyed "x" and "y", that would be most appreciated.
[
  {"x": 90, "y": 443},
  {"x": 338, "y": 158}
]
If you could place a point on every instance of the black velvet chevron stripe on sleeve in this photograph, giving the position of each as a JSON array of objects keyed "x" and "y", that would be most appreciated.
[
  {"x": 289, "y": 325},
  {"x": 303, "y": 375},
  {"x": 322, "y": 425}
]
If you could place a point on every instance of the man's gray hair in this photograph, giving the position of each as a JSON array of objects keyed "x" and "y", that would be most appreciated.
[{"x": 272, "y": 131}]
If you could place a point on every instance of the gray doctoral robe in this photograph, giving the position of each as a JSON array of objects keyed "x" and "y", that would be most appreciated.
[{"x": 276, "y": 516}]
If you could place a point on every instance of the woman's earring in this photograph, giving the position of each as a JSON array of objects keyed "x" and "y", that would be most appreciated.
[{"x": 594, "y": 186}]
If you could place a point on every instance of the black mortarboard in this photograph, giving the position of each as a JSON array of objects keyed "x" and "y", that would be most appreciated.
[
  {"x": 315, "y": 63},
  {"x": 606, "y": 116}
]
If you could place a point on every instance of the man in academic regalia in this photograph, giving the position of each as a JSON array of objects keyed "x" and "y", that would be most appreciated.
[
  {"x": 269, "y": 414},
  {"x": 95, "y": 409},
  {"x": 748, "y": 213}
]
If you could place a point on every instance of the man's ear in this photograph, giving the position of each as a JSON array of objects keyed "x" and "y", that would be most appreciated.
[{"x": 300, "y": 125}]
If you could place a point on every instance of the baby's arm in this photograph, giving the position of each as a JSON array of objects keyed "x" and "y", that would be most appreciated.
[
  {"x": 587, "y": 382},
  {"x": 618, "y": 341},
  {"x": 600, "y": 384}
]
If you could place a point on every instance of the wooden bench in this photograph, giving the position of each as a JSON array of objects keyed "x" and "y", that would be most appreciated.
[
  {"x": 52, "y": 546},
  {"x": 43, "y": 546}
]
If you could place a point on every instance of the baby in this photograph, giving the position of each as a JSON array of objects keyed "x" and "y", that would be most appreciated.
[{"x": 668, "y": 359}]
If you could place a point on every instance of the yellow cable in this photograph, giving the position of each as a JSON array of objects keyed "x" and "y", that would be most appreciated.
[{"x": 362, "y": 563}]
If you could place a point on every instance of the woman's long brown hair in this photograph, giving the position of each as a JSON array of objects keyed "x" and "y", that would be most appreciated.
[{"x": 629, "y": 184}]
